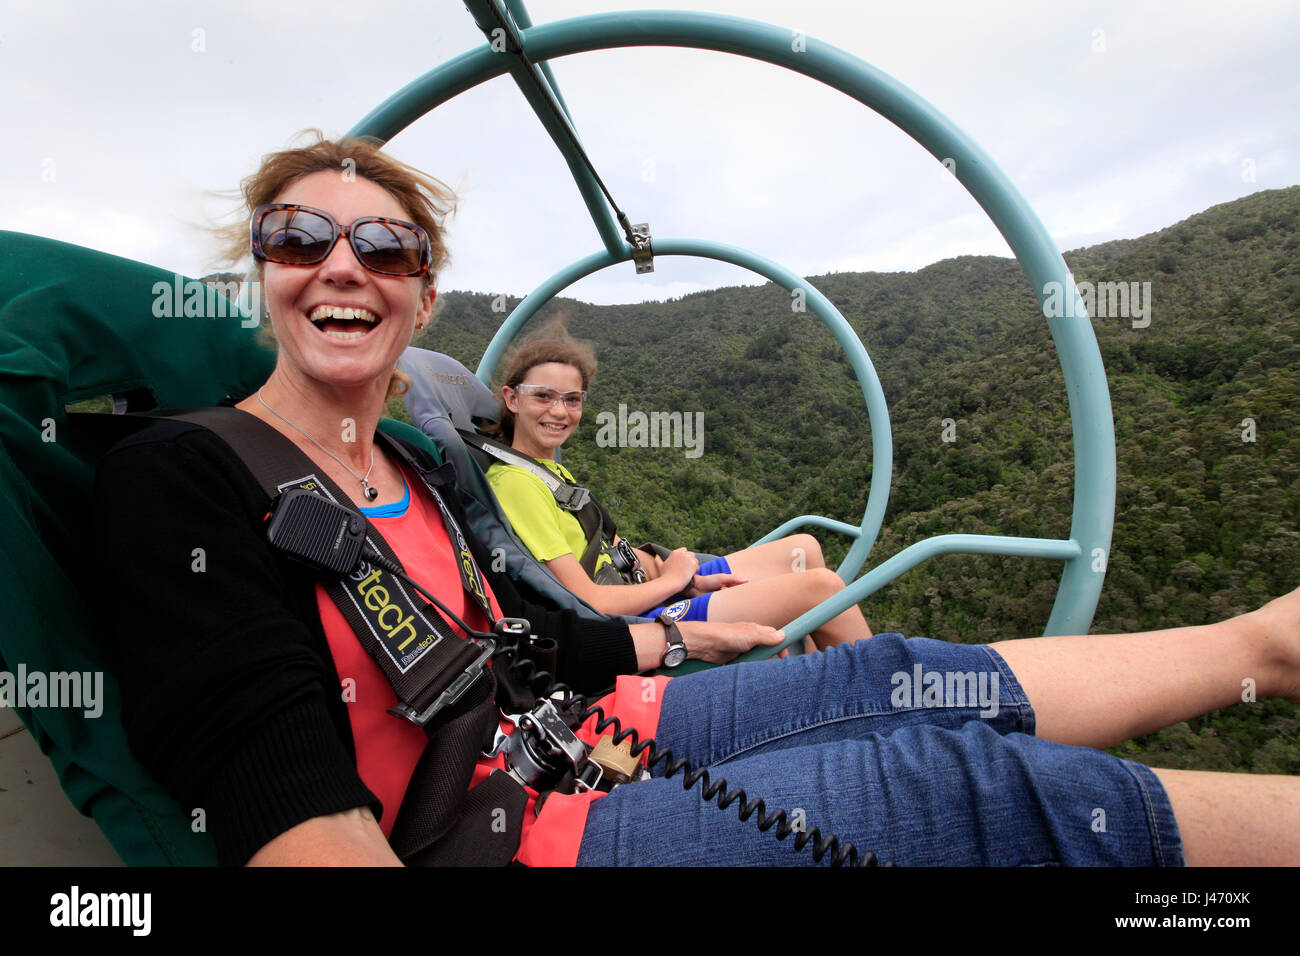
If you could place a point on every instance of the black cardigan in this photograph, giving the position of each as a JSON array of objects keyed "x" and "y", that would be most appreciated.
[{"x": 230, "y": 694}]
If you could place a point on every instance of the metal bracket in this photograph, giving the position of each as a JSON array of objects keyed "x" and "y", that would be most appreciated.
[{"x": 642, "y": 252}]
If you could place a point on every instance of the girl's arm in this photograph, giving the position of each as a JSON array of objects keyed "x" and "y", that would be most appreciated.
[
  {"x": 554, "y": 539},
  {"x": 675, "y": 576}
]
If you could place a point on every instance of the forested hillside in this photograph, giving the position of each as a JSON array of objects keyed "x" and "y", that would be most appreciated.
[{"x": 1206, "y": 409}]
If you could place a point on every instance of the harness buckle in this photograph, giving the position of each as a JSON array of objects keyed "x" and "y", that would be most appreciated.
[
  {"x": 572, "y": 497},
  {"x": 453, "y": 693},
  {"x": 625, "y": 561}
]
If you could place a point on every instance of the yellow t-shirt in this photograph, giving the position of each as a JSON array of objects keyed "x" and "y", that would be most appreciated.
[{"x": 546, "y": 529}]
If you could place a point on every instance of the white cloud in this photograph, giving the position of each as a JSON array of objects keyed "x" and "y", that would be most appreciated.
[{"x": 1103, "y": 144}]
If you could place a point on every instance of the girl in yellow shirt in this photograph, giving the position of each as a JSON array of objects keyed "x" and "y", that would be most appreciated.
[{"x": 542, "y": 400}]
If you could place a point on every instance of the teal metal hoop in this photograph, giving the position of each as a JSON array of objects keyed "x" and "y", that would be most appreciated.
[{"x": 1086, "y": 550}]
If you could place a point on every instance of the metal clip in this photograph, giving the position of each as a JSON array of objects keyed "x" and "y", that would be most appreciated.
[
  {"x": 512, "y": 628},
  {"x": 541, "y": 745},
  {"x": 453, "y": 693},
  {"x": 500, "y": 737},
  {"x": 642, "y": 252},
  {"x": 589, "y": 777},
  {"x": 546, "y": 719},
  {"x": 572, "y": 497}
]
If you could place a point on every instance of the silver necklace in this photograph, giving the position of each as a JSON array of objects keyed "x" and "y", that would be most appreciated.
[{"x": 370, "y": 493}]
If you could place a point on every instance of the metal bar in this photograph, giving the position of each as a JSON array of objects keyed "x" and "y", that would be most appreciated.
[
  {"x": 553, "y": 115},
  {"x": 1085, "y": 378},
  {"x": 804, "y": 521},
  {"x": 906, "y": 560},
  {"x": 520, "y": 13}
]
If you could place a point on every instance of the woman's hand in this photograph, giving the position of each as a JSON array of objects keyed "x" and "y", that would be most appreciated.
[
  {"x": 704, "y": 583},
  {"x": 719, "y": 641},
  {"x": 715, "y": 642}
]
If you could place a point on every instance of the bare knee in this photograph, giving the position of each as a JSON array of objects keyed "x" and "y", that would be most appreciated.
[
  {"x": 821, "y": 583},
  {"x": 805, "y": 552}
]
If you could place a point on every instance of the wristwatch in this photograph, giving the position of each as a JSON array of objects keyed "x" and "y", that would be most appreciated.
[{"x": 676, "y": 651}]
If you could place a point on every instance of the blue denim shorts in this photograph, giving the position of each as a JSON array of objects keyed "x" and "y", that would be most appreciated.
[{"x": 918, "y": 750}]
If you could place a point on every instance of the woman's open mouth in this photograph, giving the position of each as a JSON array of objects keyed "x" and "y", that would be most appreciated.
[{"x": 343, "y": 322}]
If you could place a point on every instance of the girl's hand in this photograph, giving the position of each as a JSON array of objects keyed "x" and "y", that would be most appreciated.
[
  {"x": 680, "y": 566},
  {"x": 704, "y": 583},
  {"x": 719, "y": 641}
]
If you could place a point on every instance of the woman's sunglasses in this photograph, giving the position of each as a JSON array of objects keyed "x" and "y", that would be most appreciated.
[{"x": 301, "y": 236}]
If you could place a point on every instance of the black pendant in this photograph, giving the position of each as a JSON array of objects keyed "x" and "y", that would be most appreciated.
[{"x": 371, "y": 493}]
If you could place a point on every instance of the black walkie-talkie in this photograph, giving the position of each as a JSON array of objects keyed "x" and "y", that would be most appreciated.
[{"x": 316, "y": 531}]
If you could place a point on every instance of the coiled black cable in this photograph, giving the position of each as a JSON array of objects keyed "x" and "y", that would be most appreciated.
[
  {"x": 840, "y": 854},
  {"x": 543, "y": 684}
]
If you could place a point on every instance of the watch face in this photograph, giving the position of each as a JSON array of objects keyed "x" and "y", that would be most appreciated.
[{"x": 674, "y": 656}]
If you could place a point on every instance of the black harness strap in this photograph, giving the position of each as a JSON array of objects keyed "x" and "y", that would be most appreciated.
[
  {"x": 418, "y": 652},
  {"x": 593, "y": 529},
  {"x": 437, "y": 476},
  {"x": 439, "y": 824},
  {"x": 480, "y": 828}
]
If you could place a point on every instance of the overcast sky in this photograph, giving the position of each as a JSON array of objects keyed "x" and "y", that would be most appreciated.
[{"x": 1114, "y": 118}]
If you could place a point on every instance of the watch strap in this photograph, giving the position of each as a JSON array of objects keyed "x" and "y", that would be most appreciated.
[{"x": 675, "y": 639}]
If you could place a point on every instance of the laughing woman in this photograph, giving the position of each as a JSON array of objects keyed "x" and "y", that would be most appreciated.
[{"x": 545, "y": 388}]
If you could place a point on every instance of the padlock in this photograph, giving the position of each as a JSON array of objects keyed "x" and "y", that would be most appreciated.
[{"x": 616, "y": 759}]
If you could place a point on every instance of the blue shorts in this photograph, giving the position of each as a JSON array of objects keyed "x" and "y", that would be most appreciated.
[
  {"x": 697, "y": 608},
  {"x": 849, "y": 741}
]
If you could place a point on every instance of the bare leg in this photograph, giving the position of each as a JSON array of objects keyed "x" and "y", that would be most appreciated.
[
  {"x": 1097, "y": 690},
  {"x": 1101, "y": 689},
  {"x": 799, "y": 552},
  {"x": 796, "y": 553},
  {"x": 1235, "y": 819},
  {"x": 778, "y": 601}
]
